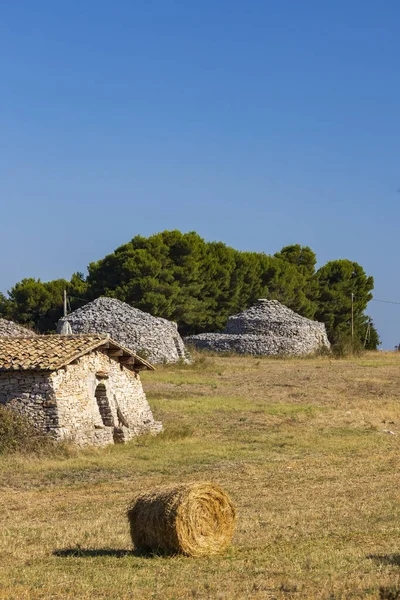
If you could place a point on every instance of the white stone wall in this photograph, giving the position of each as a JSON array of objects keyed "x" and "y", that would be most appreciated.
[
  {"x": 78, "y": 412},
  {"x": 64, "y": 404}
]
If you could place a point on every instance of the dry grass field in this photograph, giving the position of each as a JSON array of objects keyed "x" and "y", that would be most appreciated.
[{"x": 302, "y": 447}]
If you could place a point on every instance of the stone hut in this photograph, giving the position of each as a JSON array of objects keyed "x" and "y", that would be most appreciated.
[
  {"x": 84, "y": 388},
  {"x": 268, "y": 328},
  {"x": 11, "y": 328},
  {"x": 155, "y": 338}
]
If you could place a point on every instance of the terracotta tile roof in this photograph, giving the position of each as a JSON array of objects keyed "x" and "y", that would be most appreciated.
[{"x": 51, "y": 352}]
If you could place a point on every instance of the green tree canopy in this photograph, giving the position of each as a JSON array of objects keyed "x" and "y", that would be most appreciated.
[
  {"x": 199, "y": 284},
  {"x": 35, "y": 304},
  {"x": 39, "y": 305},
  {"x": 338, "y": 280},
  {"x": 302, "y": 257}
]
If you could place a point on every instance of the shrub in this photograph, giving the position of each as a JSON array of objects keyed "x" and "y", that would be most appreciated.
[
  {"x": 18, "y": 434},
  {"x": 143, "y": 353},
  {"x": 346, "y": 346}
]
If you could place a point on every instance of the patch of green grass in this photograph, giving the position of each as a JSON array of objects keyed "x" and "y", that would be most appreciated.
[
  {"x": 370, "y": 363},
  {"x": 177, "y": 378},
  {"x": 171, "y": 393},
  {"x": 222, "y": 404},
  {"x": 292, "y": 410}
]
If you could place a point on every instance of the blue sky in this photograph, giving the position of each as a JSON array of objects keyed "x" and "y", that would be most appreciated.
[{"x": 259, "y": 124}]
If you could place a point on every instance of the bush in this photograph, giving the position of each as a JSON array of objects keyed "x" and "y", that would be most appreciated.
[
  {"x": 17, "y": 434},
  {"x": 345, "y": 346},
  {"x": 143, "y": 353}
]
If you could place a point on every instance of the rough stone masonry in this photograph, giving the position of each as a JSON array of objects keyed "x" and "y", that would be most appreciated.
[
  {"x": 92, "y": 398},
  {"x": 10, "y": 328},
  {"x": 154, "y": 338},
  {"x": 268, "y": 328}
]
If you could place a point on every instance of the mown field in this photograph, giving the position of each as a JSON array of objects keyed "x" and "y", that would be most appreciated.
[{"x": 303, "y": 448}]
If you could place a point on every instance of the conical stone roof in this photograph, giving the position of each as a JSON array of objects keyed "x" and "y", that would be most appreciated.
[
  {"x": 9, "y": 328},
  {"x": 155, "y": 339},
  {"x": 268, "y": 328}
]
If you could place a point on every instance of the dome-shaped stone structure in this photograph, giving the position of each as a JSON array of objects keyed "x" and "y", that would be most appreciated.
[
  {"x": 268, "y": 328},
  {"x": 9, "y": 328},
  {"x": 154, "y": 338}
]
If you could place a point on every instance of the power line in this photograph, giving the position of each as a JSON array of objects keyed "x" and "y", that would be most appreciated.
[
  {"x": 67, "y": 303},
  {"x": 385, "y": 301},
  {"x": 375, "y": 300},
  {"x": 76, "y": 298}
]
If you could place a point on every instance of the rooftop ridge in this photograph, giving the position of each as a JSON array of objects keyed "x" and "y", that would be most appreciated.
[{"x": 57, "y": 335}]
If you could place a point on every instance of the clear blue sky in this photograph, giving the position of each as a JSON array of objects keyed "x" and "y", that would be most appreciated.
[{"x": 260, "y": 124}]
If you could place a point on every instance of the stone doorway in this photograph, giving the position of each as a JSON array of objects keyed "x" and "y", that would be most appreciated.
[{"x": 104, "y": 405}]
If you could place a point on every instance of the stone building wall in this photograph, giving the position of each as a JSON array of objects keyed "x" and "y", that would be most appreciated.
[
  {"x": 78, "y": 411},
  {"x": 31, "y": 395},
  {"x": 64, "y": 402}
]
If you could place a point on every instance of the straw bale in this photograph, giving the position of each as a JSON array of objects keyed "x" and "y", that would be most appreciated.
[{"x": 196, "y": 519}]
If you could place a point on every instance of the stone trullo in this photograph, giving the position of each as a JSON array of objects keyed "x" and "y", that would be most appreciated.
[
  {"x": 153, "y": 337},
  {"x": 268, "y": 328}
]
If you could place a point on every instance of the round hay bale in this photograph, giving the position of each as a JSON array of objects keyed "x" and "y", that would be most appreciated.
[{"x": 196, "y": 519}]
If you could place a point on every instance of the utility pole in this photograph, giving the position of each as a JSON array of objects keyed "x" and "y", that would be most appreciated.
[
  {"x": 367, "y": 333},
  {"x": 65, "y": 303},
  {"x": 352, "y": 316}
]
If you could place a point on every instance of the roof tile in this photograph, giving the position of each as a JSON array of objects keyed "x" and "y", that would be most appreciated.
[{"x": 51, "y": 352}]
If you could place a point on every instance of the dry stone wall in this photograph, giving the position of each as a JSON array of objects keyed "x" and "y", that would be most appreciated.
[
  {"x": 78, "y": 410},
  {"x": 31, "y": 395},
  {"x": 154, "y": 338},
  {"x": 268, "y": 328}
]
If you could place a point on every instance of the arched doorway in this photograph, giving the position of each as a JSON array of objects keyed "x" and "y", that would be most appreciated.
[{"x": 104, "y": 406}]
